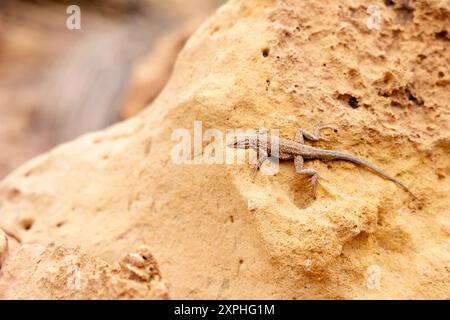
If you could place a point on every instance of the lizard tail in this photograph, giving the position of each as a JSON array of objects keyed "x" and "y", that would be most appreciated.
[{"x": 334, "y": 155}]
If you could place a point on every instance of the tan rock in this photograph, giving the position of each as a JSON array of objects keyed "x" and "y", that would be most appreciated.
[
  {"x": 3, "y": 247},
  {"x": 219, "y": 233},
  {"x": 62, "y": 273}
]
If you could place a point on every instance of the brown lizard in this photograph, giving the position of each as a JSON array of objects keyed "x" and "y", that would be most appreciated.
[{"x": 297, "y": 150}]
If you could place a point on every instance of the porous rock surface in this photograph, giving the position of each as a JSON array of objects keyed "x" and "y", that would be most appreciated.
[
  {"x": 54, "y": 272},
  {"x": 218, "y": 231}
]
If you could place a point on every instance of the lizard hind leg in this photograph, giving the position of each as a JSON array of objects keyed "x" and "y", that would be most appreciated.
[{"x": 313, "y": 174}]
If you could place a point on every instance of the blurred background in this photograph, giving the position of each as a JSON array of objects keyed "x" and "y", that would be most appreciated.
[{"x": 56, "y": 83}]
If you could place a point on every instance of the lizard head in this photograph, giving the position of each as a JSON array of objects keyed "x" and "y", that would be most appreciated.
[
  {"x": 240, "y": 142},
  {"x": 249, "y": 140}
]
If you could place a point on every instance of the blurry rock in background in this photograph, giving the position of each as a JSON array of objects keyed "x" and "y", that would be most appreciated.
[
  {"x": 153, "y": 71},
  {"x": 56, "y": 84}
]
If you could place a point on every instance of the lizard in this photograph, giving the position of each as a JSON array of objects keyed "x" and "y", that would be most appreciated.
[{"x": 299, "y": 152}]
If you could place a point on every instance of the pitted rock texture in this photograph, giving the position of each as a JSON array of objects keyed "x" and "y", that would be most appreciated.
[
  {"x": 4, "y": 248},
  {"x": 218, "y": 231},
  {"x": 55, "y": 272}
]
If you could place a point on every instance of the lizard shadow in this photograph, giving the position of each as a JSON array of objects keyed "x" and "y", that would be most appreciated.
[{"x": 301, "y": 192}]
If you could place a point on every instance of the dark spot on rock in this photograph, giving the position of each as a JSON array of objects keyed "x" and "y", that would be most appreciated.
[
  {"x": 13, "y": 193},
  {"x": 383, "y": 94},
  {"x": 405, "y": 13},
  {"x": 348, "y": 99},
  {"x": 335, "y": 130},
  {"x": 60, "y": 224},
  {"x": 412, "y": 97},
  {"x": 442, "y": 35},
  {"x": 389, "y": 2},
  {"x": 265, "y": 52},
  {"x": 231, "y": 219},
  {"x": 241, "y": 261},
  {"x": 27, "y": 223},
  {"x": 267, "y": 84},
  {"x": 353, "y": 102},
  {"x": 440, "y": 74},
  {"x": 421, "y": 56}
]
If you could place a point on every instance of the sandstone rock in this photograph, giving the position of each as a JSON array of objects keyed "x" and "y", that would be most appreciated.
[
  {"x": 63, "y": 273},
  {"x": 3, "y": 247},
  {"x": 219, "y": 233}
]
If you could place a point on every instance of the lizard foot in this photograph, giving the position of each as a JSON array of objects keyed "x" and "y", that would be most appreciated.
[
  {"x": 313, "y": 183},
  {"x": 314, "y": 177}
]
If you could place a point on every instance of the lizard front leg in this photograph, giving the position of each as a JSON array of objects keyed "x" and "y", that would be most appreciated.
[
  {"x": 302, "y": 135},
  {"x": 262, "y": 157},
  {"x": 313, "y": 174}
]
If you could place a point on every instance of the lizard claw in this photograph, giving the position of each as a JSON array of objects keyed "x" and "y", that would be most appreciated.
[{"x": 313, "y": 184}]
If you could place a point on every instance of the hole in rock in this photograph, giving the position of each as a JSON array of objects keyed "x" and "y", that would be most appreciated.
[
  {"x": 27, "y": 223},
  {"x": 442, "y": 35},
  {"x": 353, "y": 102}
]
